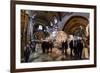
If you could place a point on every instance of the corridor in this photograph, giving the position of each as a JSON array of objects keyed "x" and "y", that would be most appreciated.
[{"x": 54, "y": 36}]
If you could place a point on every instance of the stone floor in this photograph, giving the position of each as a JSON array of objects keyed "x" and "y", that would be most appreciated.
[{"x": 56, "y": 55}]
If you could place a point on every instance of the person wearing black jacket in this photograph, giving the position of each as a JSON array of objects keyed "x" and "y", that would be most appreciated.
[
  {"x": 71, "y": 45},
  {"x": 80, "y": 48},
  {"x": 50, "y": 46},
  {"x": 27, "y": 53},
  {"x": 63, "y": 47},
  {"x": 66, "y": 47},
  {"x": 43, "y": 46}
]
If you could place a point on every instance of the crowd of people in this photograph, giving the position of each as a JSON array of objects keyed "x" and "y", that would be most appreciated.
[
  {"x": 46, "y": 46},
  {"x": 76, "y": 47}
]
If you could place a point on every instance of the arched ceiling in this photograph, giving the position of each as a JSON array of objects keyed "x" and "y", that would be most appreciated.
[{"x": 74, "y": 23}]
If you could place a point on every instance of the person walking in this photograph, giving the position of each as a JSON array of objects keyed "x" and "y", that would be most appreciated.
[{"x": 27, "y": 53}]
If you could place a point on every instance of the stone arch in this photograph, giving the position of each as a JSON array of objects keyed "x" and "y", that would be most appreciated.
[{"x": 74, "y": 22}]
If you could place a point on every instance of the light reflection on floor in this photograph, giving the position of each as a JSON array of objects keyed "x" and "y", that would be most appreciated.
[{"x": 56, "y": 55}]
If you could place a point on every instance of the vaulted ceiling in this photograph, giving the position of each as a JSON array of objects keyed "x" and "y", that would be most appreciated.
[{"x": 75, "y": 23}]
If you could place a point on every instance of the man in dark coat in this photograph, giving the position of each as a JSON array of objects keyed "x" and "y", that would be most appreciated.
[
  {"x": 50, "y": 46},
  {"x": 71, "y": 45},
  {"x": 80, "y": 48},
  {"x": 43, "y": 46},
  {"x": 47, "y": 47},
  {"x": 76, "y": 48},
  {"x": 66, "y": 46},
  {"x": 27, "y": 53},
  {"x": 63, "y": 47}
]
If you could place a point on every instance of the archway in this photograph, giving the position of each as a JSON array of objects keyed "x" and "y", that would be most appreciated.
[{"x": 75, "y": 24}]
